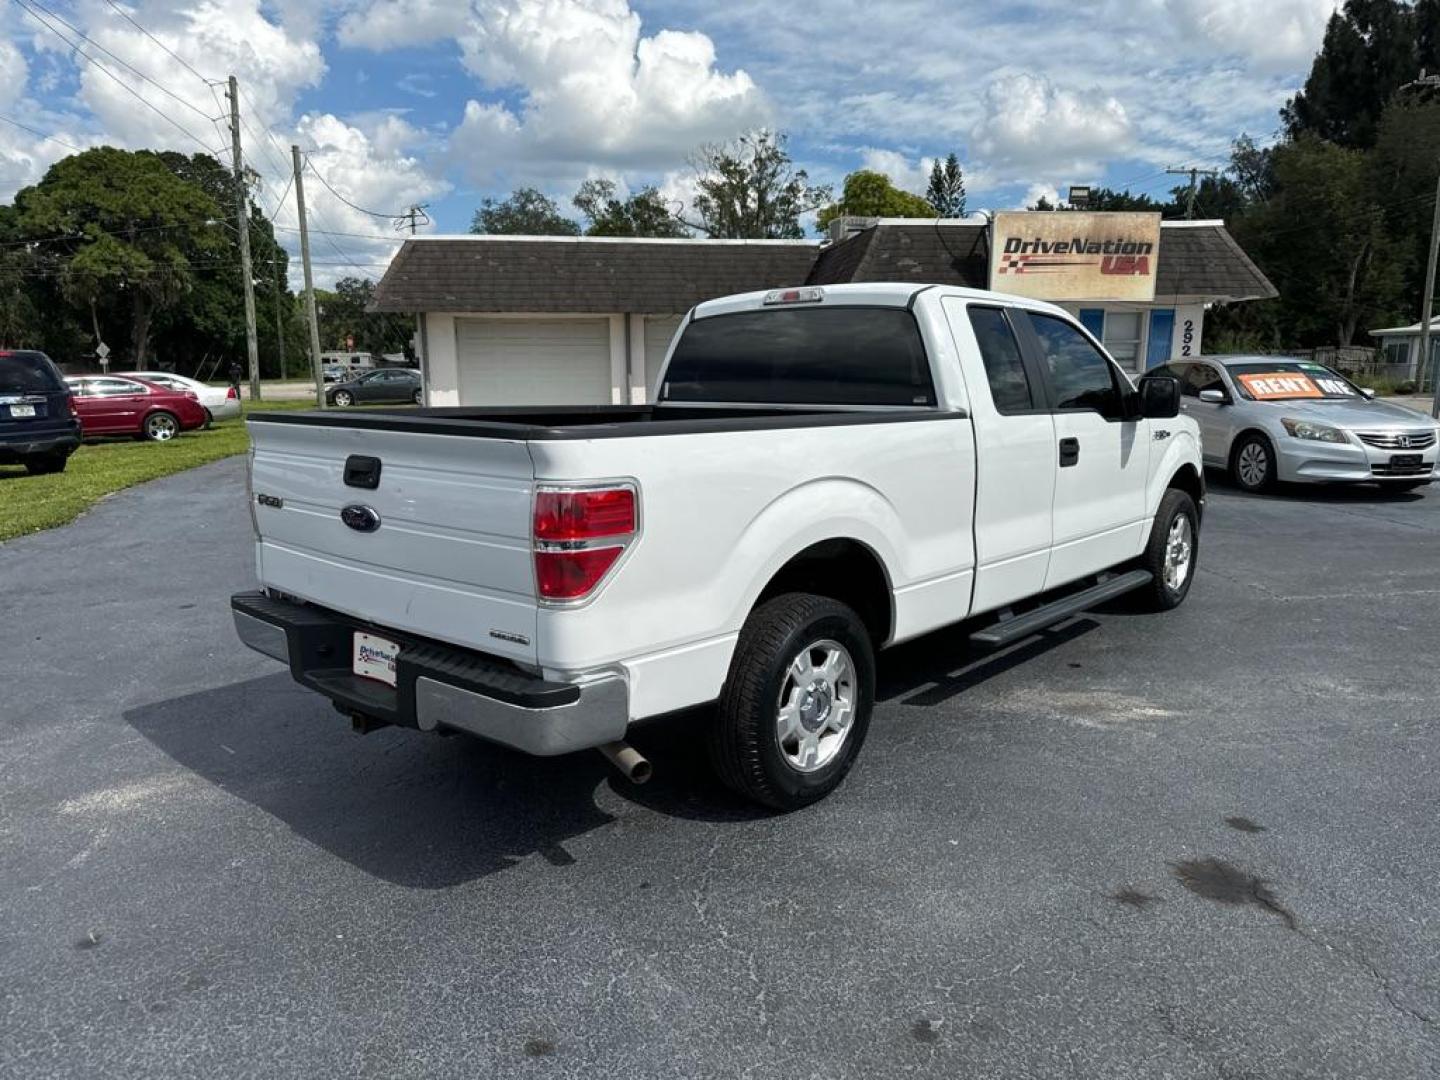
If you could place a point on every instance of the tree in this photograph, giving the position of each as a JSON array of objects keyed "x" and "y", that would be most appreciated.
[
  {"x": 135, "y": 228},
  {"x": 946, "y": 193},
  {"x": 867, "y": 193},
  {"x": 526, "y": 212},
  {"x": 642, "y": 214},
  {"x": 347, "y": 318},
  {"x": 1324, "y": 242},
  {"x": 1371, "y": 47},
  {"x": 1106, "y": 199},
  {"x": 750, "y": 190}
]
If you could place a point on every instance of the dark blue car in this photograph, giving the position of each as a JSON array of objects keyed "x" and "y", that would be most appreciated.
[{"x": 38, "y": 425}]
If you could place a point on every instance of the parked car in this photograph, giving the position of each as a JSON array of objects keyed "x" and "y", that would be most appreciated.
[
  {"x": 826, "y": 472},
  {"x": 110, "y": 405},
  {"x": 221, "y": 402},
  {"x": 387, "y": 384},
  {"x": 38, "y": 425},
  {"x": 333, "y": 373},
  {"x": 1269, "y": 419}
]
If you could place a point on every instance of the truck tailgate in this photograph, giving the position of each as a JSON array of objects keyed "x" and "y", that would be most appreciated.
[{"x": 450, "y": 557}]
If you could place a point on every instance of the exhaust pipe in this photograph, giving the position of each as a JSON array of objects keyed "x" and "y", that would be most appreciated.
[{"x": 634, "y": 767}]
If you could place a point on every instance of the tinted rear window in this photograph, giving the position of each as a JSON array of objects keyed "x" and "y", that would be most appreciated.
[
  {"x": 803, "y": 356},
  {"x": 28, "y": 373}
]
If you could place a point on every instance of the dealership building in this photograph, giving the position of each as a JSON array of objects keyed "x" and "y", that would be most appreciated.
[{"x": 515, "y": 320}]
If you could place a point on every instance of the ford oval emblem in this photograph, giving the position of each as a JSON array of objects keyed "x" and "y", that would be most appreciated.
[{"x": 360, "y": 518}]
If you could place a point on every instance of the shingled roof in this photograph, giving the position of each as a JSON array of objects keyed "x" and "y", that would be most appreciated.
[
  {"x": 552, "y": 274},
  {"x": 658, "y": 277},
  {"x": 1195, "y": 259}
]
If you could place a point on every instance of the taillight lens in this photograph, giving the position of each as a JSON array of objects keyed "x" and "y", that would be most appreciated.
[
  {"x": 584, "y": 515},
  {"x": 579, "y": 534},
  {"x": 70, "y": 404},
  {"x": 231, "y": 393}
]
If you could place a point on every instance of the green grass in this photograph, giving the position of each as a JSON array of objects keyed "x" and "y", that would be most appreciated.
[{"x": 31, "y": 503}]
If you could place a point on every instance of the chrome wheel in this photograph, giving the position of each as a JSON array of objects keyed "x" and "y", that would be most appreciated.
[
  {"x": 1178, "y": 547},
  {"x": 1253, "y": 464},
  {"x": 816, "y": 705},
  {"x": 161, "y": 427},
  {"x": 343, "y": 398}
]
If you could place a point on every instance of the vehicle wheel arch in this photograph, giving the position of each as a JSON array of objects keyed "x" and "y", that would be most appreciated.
[
  {"x": 844, "y": 569},
  {"x": 1187, "y": 478}
]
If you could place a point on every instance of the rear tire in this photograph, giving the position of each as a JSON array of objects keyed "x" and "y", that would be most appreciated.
[
  {"x": 1171, "y": 552},
  {"x": 797, "y": 701},
  {"x": 1252, "y": 463},
  {"x": 161, "y": 426},
  {"x": 419, "y": 397},
  {"x": 44, "y": 464},
  {"x": 209, "y": 420}
]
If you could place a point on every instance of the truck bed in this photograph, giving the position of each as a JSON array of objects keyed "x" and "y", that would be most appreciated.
[{"x": 591, "y": 422}]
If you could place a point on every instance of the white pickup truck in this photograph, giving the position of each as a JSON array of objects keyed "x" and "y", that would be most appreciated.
[{"x": 823, "y": 473}]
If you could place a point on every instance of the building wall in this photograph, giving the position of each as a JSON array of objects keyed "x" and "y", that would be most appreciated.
[{"x": 1186, "y": 333}]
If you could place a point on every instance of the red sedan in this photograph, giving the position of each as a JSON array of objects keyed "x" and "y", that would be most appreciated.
[{"x": 108, "y": 405}]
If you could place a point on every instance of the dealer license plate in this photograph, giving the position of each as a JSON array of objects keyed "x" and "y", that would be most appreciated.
[
  {"x": 374, "y": 658},
  {"x": 20, "y": 412},
  {"x": 1403, "y": 461}
]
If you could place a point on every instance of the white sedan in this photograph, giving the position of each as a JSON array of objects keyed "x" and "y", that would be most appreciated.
[{"x": 221, "y": 402}]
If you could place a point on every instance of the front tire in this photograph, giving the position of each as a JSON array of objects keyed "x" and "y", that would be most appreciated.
[
  {"x": 797, "y": 701},
  {"x": 161, "y": 426},
  {"x": 419, "y": 397},
  {"x": 344, "y": 398},
  {"x": 1252, "y": 463},
  {"x": 1170, "y": 553}
]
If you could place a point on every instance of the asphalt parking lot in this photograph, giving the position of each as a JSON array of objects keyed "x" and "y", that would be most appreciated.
[{"x": 1203, "y": 844}]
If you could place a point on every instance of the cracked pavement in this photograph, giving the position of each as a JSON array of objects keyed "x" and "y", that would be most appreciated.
[{"x": 203, "y": 872}]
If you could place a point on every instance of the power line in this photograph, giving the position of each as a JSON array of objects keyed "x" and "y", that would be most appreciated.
[
  {"x": 118, "y": 59},
  {"x": 347, "y": 202},
  {"x": 41, "y": 134},
  {"x": 75, "y": 47},
  {"x": 169, "y": 51}
]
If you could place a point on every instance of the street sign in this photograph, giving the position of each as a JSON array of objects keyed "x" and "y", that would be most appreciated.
[{"x": 103, "y": 351}]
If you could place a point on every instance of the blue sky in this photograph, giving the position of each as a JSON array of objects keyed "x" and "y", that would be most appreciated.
[{"x": 443, "y": 102}]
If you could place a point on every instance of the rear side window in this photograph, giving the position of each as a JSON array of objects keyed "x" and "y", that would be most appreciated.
[
  {"x": 1082, "y": 377},
  {"x": 803, "y": 356},
  {"x": 1004, "y": 367},
  {"x": 28, "y": 373}
]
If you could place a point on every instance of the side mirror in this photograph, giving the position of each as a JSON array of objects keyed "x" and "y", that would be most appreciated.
[
  {"x": 1367, "y": 393},
  {"x": 1214, "y": 397},
  {"x": 1159, "y": 397}
]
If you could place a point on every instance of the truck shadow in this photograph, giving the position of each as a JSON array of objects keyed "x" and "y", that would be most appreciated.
[
  {"x": 412, "y": 808},
  {"x": 426, "y": 812},
  {"x": 933, "y": 669}
]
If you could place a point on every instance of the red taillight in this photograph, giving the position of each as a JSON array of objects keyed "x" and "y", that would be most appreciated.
[
  {"x": 70, "y": 404},
  {"x": 584, "y": 515},
  {"x": 579, "y": 535},
  {"x": 231, "y": 393}
]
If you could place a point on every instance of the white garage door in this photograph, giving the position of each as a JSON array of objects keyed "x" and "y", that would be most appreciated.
[
  {"x": 533, "y": 361},
  {"x": 659, "y": 329}
]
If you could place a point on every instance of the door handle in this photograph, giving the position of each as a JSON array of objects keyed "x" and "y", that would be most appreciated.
[{"x": 1069, "y": 452}]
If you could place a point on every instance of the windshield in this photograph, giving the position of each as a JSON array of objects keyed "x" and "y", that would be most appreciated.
[
  {"x": 27, "y": 373},
  {"x": 1291, "y": 380}
]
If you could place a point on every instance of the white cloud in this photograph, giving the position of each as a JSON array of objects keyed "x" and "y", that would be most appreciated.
[
  {"x": 593, "y": 91},
  {"x": 1275, "y": 35},
  {"x": 391, "y": 24},
  {"x": 1030, "y": 123},
  {"x": 1035, "y": 192}
]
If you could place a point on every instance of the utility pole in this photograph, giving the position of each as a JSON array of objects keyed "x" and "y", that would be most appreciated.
[
  {"x": 415, "y": 217},
  {"x": 247, "y": 279},
  {"x": 279, "y": 318},
  {"x": 1194, "y": 175},
  {"x": 1425, "y": 305},
  {"x": 309, "y": 280}
]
